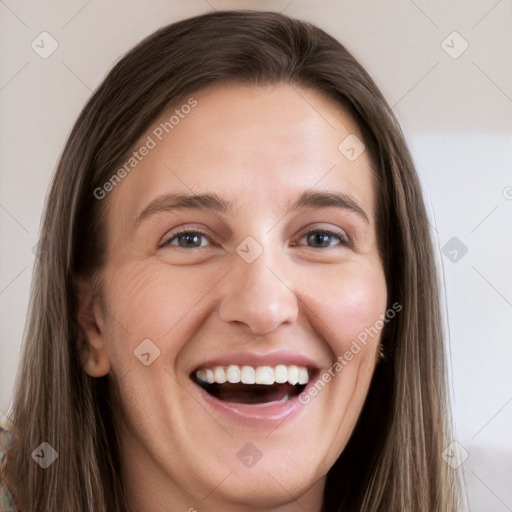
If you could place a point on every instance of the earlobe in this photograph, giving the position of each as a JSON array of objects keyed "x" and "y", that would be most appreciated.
[
  {"x": 92, "y": 344},
  {"x": 95, "y": 362}
]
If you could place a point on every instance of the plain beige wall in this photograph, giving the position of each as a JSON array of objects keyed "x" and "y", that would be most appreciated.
[{"x": 456, "y": 110}]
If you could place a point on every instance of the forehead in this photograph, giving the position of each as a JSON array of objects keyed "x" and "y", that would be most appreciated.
[{"x": 258, "y": 146}]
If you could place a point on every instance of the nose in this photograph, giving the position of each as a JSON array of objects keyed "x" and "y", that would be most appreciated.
[{"x": 256, "y": 294}]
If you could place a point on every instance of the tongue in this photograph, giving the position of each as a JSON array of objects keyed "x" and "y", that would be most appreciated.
[{"x": 251, "y": 393}]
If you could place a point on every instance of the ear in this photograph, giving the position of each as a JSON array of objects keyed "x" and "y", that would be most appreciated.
[{"x": 92, "y": 343}]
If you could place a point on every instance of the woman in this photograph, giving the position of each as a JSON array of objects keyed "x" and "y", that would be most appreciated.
[{"x": 195, "y": 341}]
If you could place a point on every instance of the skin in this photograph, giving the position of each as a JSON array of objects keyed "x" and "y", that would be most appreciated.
[{"x": 260, "y": 148}]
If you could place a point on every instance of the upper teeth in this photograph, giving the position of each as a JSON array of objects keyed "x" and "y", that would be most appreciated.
[{"x": 254, "y": 375}]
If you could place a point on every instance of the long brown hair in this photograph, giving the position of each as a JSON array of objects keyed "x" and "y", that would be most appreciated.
[{"x": 393, "y": 459}]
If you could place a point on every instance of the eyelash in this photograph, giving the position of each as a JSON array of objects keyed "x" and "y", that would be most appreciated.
[{"x": 341, "y": 237}]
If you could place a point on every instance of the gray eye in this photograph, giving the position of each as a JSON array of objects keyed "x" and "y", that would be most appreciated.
[
  {"x": 186, "y": 239},
  {"x": 323, "y": 238}
]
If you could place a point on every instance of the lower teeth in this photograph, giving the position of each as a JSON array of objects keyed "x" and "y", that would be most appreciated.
[{"x": 253, "y": 393}]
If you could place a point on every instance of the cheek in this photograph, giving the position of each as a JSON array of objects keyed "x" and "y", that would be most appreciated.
[
  {"x": 349, "y": 302},
  {"x": 151, "y": 302},
  {"x": 136, "y": 298}
]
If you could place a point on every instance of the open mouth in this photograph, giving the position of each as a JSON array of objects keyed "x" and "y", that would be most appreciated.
[{"x": 253, "y": 385}]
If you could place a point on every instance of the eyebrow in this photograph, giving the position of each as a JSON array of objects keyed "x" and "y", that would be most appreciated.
[{"x": 215, "y": 203}]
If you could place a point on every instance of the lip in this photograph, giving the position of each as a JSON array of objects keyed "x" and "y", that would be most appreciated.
[
  {"x": 255, "y": 359},
  {"x": 253, "y": 415}
]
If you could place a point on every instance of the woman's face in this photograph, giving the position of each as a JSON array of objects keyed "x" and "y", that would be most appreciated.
[{"x": 277, "y": 277}]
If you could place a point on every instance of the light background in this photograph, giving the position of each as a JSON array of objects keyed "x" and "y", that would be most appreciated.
[{"x": 457, "y": 117}]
